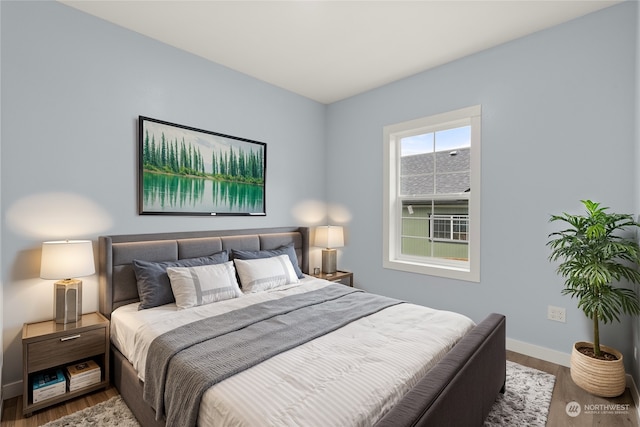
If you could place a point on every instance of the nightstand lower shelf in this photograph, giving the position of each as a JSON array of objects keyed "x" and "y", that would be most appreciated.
[{"x": 30, "y": 408}]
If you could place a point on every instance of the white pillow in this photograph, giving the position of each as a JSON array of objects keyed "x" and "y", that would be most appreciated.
[
  {"x": 265, "y": 273},
  {"x": 193, "y": 286}
]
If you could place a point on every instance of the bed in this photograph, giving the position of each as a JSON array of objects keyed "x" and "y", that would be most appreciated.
[{"x": 456, "y": 387}]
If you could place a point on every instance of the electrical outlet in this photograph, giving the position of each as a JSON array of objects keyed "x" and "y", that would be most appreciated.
[{"x": 558, "y": 314}]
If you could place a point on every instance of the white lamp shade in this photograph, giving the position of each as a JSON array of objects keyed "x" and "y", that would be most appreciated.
[
  {"x": 329, "y": 236},
  {"x": 67, "y": 259}
]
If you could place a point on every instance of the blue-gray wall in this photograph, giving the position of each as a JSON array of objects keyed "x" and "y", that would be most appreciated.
[
  {"x": 72, "y": 89},
  {"x": 559, "y": 122}
]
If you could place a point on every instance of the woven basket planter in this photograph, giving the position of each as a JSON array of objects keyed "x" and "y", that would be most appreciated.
[{"x": 604, "y": 378}]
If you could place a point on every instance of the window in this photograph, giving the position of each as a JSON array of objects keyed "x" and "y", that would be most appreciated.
[{"x": 432, "y": 195}]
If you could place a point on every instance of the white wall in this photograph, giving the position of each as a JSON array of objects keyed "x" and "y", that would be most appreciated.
[
  {"x": 72, "y": 89},
  {"x": 558, "y": 125}
]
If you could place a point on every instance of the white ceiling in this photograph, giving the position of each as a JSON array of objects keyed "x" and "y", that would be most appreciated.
[{"x": 330, "y": 50}]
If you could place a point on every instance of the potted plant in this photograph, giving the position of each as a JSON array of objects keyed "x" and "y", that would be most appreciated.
[{"x": 594, "y": 257}]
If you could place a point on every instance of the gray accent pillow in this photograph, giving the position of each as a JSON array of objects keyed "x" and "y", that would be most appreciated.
[
  {"x": 154, "y": 287},
  {"x": 268, "y": 253}
]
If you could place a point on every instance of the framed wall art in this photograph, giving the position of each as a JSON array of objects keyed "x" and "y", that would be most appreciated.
[{"x": 189, "y": 171}]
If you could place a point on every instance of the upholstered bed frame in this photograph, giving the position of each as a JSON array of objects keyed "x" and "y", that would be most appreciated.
[{"x": 458, "y": 391}]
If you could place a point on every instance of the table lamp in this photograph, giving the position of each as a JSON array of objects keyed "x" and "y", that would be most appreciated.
[
  {"x": 329, "y": 237},
  {"x": 64, "y": 260}
]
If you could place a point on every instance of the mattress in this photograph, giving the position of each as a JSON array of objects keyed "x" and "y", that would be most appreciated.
[{"x": 350, "y": 377}]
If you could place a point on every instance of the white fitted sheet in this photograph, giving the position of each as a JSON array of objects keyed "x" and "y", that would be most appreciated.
[{"x": 350, "y": 377}]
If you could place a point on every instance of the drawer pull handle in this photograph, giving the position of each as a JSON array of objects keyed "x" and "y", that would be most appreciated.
[{"x": 72, "y": 337}]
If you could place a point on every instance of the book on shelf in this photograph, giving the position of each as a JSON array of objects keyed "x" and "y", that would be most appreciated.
[
  {"x": 83, "y": 374},
  {"x": 84, "y": 382},
  {"x": 48, "y": 384},
  {"x": 78, "y": 370}
]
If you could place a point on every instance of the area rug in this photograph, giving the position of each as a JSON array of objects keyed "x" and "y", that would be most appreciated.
[
  {"x": 111, "y": 413},
  {"x": 526, "y": 399},
  {"x": 525, "y": 403}
]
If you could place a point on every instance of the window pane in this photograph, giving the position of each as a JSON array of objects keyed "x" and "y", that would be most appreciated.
[
  {"x": 417, "y": 144},
  {"x": 436, "y": 162},
  {"x": 415, "y": 229},
  {"x": 419, "y": 185},
  {"x": 452, "y": 139},
  {"x": 448, "y": 183},
  {"x": 416, "y": 165},
  {"x": 452, "y": 160},
  {"x": 435, "y": 229}
]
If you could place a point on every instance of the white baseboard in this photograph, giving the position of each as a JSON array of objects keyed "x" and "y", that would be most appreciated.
[
  {"x": 12, "y": 390},
  {"x": 553, "y": 356}
]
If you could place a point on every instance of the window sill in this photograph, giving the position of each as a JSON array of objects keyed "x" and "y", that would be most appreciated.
[{"x": 449, "y": 272}]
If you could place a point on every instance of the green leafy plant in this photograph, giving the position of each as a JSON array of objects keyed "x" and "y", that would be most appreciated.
[{"x": 593, "y": 257}]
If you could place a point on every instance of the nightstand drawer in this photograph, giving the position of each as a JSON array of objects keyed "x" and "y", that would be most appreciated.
[{"x": 65, "y": 349}]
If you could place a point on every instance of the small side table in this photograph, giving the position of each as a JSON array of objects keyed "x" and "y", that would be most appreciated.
[
  {"x": 48, "y": 345},
  {"x": 338, "y": 276}
]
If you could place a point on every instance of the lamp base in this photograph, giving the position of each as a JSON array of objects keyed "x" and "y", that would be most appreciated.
[
  {"x": 329, "y": 257},
  {"x": 67, "y": 300}
]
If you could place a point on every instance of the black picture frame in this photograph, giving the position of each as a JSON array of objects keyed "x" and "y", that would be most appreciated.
[{"x": 183, "y": 170}]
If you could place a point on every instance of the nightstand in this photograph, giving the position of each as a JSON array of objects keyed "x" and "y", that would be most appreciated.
[
  {"x": 49, "y": 345},
  {"x": 338, "y": 276}
]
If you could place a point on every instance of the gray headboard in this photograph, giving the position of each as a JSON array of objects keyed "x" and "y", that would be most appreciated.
[{"x": 115, "y": 253}]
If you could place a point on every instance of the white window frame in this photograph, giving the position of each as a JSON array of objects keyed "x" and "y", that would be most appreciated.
[{"x": 392, "y": 214}]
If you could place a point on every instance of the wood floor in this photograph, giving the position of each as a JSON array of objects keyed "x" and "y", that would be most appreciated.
[
  {"x": 12, "y": 409},
  {"x": 564, "y": 392}
]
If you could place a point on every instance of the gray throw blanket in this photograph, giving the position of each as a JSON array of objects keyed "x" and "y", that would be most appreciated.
[{"x": 182, "y": 364}]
